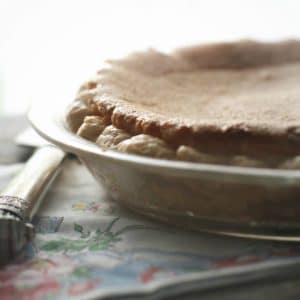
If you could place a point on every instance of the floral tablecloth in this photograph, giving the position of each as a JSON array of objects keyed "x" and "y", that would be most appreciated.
[{"x": 88, "y": 247}]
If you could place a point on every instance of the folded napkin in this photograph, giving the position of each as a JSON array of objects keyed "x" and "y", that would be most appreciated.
[{"x": 88, "y": 247}]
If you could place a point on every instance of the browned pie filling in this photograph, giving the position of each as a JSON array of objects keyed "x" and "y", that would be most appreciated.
[{"x": 233, "y": 103}]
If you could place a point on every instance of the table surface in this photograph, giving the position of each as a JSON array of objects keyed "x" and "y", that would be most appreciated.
[{"x": 280, "y": 289}]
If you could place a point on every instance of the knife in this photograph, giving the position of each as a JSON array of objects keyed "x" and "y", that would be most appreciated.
[{"x": 22, "y": 197}]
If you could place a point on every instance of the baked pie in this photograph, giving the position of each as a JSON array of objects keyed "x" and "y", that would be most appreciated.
[{"x": 231, "y": 103}]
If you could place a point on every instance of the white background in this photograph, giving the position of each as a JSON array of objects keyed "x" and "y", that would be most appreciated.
[{"x": 47, "y": 48}]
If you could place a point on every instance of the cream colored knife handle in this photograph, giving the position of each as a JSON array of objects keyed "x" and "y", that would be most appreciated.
[{"x": 23, "y": 194}]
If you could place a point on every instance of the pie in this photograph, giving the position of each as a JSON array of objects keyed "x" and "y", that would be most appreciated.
[{"x": 230, "y": 103}]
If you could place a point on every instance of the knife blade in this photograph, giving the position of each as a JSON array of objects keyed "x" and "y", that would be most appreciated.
[{"x": 21, "y": 198}]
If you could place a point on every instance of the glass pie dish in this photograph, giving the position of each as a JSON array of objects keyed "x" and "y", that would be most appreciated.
[{"x": 239, "y": 201}]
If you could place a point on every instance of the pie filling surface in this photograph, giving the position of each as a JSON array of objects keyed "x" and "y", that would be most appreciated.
[{"x": 232, "y": 103}]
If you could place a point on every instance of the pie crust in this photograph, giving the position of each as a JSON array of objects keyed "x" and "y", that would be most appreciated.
[{"x": 231, "y": 103}]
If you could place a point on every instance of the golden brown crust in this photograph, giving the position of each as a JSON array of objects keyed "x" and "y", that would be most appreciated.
[
  {"x": 241, "y": 55},
  {"x": 187, "y": 153},
  {"x": 113, "y": 98},
  {"x": 111, "y": 137},
  {"x": 91, "y": 128},
  {"x": 146, "y": 145}
]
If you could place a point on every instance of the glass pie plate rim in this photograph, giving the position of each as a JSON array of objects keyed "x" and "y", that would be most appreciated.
[{"x": 52, "y": 126}]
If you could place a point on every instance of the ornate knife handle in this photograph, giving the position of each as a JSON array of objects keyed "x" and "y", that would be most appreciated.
[
  {"x": 21, "y": 198},
  {"x": 14, "y": 205}
]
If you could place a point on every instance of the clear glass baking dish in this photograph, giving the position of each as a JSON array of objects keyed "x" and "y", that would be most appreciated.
[{"x": 240, "y": 201}]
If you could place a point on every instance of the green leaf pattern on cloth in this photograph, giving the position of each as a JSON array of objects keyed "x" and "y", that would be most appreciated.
[{"x": 100, "y": 239}]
